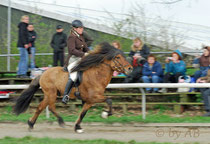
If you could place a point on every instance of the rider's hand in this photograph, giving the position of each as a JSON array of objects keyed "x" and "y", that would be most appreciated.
[{"x": 86, "y": 54}]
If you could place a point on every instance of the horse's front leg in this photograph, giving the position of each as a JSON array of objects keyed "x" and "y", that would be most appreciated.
[
  {"x": 105, "y": 114},
  {"x": 85, "y": 108}
]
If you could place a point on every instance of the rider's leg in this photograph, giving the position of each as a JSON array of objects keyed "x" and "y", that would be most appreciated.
[
  {"x": 69, "y": 86},
  {"x": 70, "y": 82}
]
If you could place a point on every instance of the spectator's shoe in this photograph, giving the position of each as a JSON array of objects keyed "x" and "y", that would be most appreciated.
[
  {"x": 163, "y": 90},
  {"x": 149, "y": 91},
  {"x": 156, "y": 91},
  {"x": 24, "y": 76},
  {"x": 206, "y": 114}
]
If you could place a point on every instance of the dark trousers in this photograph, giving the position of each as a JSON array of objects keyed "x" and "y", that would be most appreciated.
[
  {"x": 170, "y": 78},
  {"x": 58, "y": 56},
  {"x": 206, "y": 98},
  {"x": 135, "y": 75}
]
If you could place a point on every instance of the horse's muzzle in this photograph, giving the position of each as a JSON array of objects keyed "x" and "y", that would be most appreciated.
[{"x": 128, "y": 70}]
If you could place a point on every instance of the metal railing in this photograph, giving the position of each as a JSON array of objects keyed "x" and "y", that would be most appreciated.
[{"x": 134, "y": 85}]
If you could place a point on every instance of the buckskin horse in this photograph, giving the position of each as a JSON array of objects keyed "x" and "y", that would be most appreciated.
[{"x": 97, "y": 68}]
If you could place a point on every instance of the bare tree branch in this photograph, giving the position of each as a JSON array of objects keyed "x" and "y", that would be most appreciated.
[{"x": 166, "y": 1}]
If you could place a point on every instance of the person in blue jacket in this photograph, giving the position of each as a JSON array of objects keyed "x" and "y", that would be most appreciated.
[
  {"x": 174, "y": 68},
  {"x": 152, "y": 73}
]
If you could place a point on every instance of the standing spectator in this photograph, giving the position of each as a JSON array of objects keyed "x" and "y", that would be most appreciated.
[
  {"x": 32, "y": 49},
  {"x": 88, "y": 39},
  {"x": 174, "y": 68},
  {"x": 204, "y": 63},
  {"x": 205, "y": 93},
  {"x": 152, "y": 73},
  {"x": 23, "y": 46},
  {"x": 58, "y": 43},
  {"x": 137, "y": 57}
]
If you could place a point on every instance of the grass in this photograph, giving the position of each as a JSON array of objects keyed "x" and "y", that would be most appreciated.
[
  {"x": 32, "y": 140},
  {"x": 158, "y": 116}
]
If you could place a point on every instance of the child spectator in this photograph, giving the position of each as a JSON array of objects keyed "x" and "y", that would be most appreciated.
[
  {"x": 137, "y": 57},
  {"x": 152, "y": 73},
  {"x": 32, "y": 49},
  {"x": 117, "y": 45}
]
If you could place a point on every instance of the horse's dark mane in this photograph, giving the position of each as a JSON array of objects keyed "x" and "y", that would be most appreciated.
[{"x": 104, "y": 51}]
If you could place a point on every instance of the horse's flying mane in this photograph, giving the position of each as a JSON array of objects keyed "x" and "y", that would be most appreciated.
[{"x": 104, "y": 51}]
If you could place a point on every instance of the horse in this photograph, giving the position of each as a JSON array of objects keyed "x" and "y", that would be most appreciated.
[{"x": 97, "y": 68}]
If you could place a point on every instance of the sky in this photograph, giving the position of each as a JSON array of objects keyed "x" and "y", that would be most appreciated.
[
  {"x": 190, "y": 17},
  {"x": 187, "y": 11}
]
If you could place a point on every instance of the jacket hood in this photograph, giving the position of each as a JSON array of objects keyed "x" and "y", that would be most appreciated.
[
  {"x": 21, "y": 24},
  {"x": 179, "y": 53}
]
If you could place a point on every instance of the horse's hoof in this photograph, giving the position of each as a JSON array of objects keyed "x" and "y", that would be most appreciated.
[
  {"x": 30, "y": 129},
  {"x": 61, "y": 122},
  {"x": 79, "y": 131},
  {"x": 104, "y": 115},
  {"x": 62, "y": 125},
  {"x": 30, "y": 124}
]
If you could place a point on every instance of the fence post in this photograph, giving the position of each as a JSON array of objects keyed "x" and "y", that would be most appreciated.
[
  {"x": 143, "y": 103},
  {"x": 47, "y": 112}
]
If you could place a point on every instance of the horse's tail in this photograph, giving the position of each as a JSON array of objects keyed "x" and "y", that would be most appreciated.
[{"x": 26, "y": 96}]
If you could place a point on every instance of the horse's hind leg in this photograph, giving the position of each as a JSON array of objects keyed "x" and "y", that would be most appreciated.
[
  {"x": 52, "y": 101},
  {"x": 40, "y": 108},
  {"x": 85, "y": 108}
]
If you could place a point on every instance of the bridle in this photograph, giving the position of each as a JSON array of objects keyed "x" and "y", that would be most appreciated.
[{"x": 117, "y": 65}]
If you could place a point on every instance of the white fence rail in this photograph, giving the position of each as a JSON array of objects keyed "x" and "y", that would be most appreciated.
[{"x": 134, "y": 85}]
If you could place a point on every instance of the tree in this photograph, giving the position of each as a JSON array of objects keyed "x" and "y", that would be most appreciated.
[{"x": 154, "y": 31}]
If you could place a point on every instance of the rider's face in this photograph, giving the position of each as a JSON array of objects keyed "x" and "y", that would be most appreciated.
[{"x": 79, "y": 30}]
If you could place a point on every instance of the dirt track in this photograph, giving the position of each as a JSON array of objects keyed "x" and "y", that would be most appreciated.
[{"x": 110, "y": 132}]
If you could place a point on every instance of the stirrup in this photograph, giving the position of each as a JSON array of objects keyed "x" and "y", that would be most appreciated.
[{"x": 65, "y": 99}]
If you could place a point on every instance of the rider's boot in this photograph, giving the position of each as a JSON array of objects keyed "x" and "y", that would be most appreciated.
[{"x": 67, "y": 91}]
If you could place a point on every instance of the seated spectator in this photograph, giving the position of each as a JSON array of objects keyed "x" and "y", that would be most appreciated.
[
  {"x": 88, "y": 40},
  {"x": 117, "y": 45},
  {"x": 174, "y": 68},
  {"x": 204, "y": 63},
  {"x": 137, "y": 57},
  {"x": 152, "y": 73},
  {"x": 205, "y": 93}
]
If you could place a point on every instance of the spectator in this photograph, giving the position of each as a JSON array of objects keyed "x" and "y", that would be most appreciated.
[
  {"x": 32, "y": 49},
  {"x": 137, "y": 57},
  {"x": 117, "y": 45},
  {"x": 152, "y": 73},
  {"x": 205, "y": 93},
  {"x": 174, "y": 68},
  {"x": 88, "y": 39},
  {"x": 204, "y": 63},
  {"x": 58, "y": 43},
  {"x": 23, "y": 46}
]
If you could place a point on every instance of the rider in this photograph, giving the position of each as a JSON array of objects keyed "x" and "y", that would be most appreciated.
[{"x": 77, "y": 48}]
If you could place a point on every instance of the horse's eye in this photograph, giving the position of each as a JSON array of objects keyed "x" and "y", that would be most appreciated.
[{"x": 117, "y": 57}]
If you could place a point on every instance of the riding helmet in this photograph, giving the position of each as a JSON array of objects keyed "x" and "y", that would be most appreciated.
[{"x": 77, "y": 24}]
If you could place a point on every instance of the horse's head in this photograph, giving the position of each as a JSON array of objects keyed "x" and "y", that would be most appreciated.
[{"x": 121, "y": 65}]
